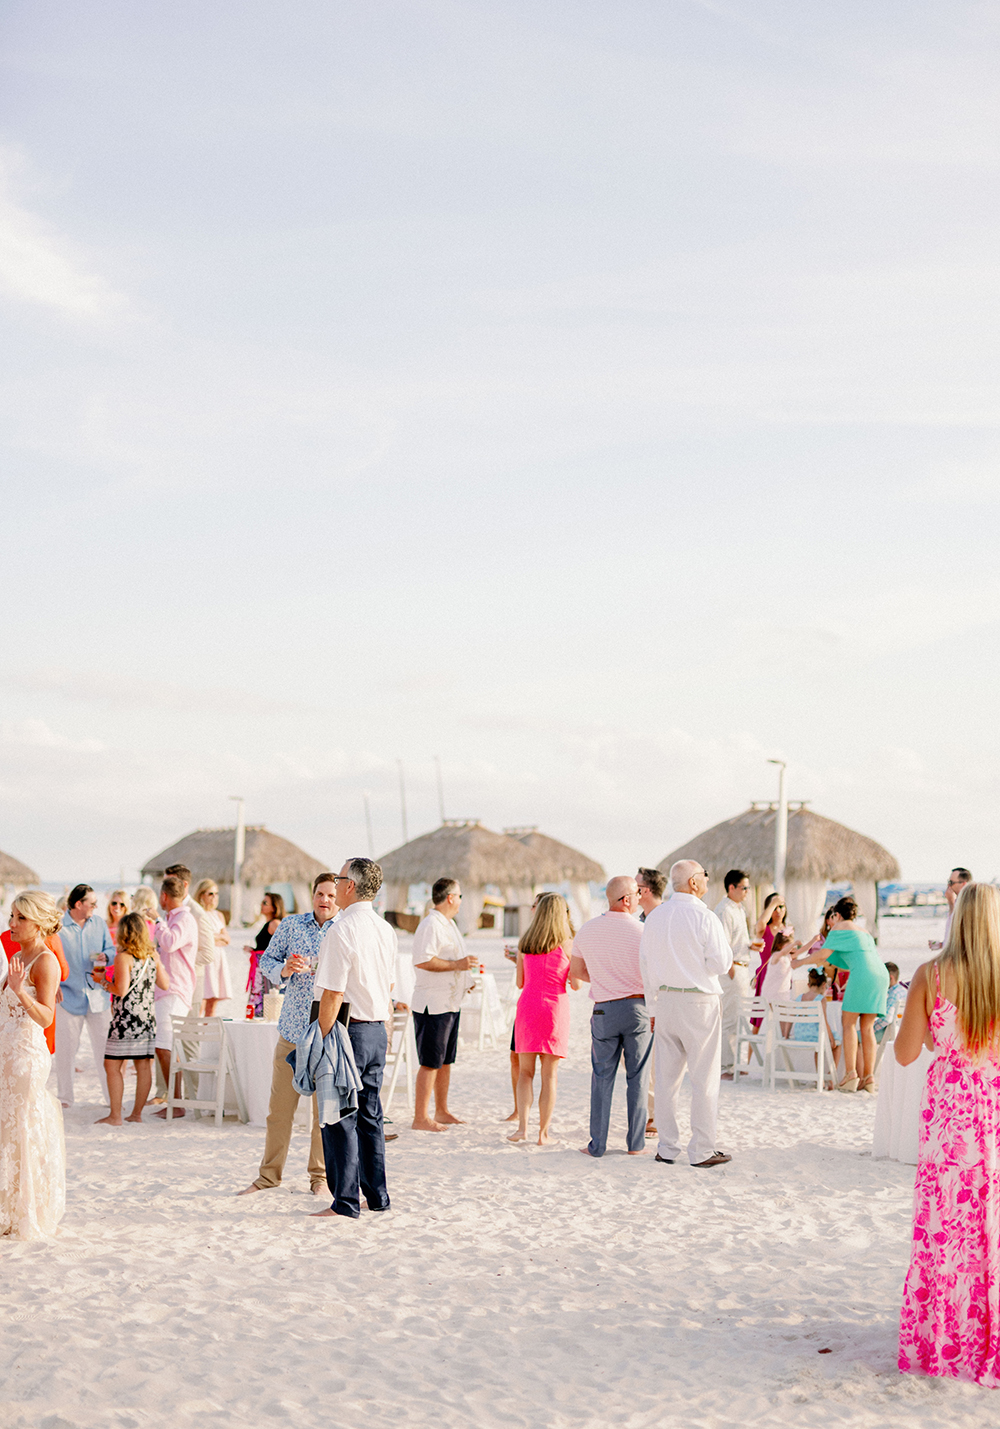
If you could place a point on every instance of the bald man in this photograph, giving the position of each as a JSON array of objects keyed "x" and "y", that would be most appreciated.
[
  {"x": 606, "y": 955},
  {"x": 682, "y": 955}
]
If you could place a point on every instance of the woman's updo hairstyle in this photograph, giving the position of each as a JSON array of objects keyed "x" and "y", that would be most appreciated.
[
  {"x": 39, "y": 908},
  {"x": 847, "y": 908}
]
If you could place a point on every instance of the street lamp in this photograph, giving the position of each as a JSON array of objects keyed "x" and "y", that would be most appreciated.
[{"x": 780, "y": 830}]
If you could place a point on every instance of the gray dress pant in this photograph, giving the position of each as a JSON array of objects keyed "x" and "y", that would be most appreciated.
[{"x": 619, "y": 1029}]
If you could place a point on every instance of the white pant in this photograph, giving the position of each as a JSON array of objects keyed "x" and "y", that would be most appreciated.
[
  {"x": 69, "y": 1029},
  {"x": 688, "y": 1032},
  {"x": 734, "y": 990}
]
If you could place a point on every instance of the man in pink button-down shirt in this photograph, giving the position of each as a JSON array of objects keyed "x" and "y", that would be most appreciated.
[{"x": 177, "y": 945}]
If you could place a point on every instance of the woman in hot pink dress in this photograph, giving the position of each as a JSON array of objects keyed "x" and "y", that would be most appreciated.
[
  {"x": 541, "y": 1025},
  {"x": 950, "y": 1320}
]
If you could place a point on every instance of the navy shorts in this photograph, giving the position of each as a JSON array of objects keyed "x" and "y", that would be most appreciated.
[{"x": 437, "y": 1037}]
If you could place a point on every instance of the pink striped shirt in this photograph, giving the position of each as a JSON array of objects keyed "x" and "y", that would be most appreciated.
[{"x": 609, "y": 945}]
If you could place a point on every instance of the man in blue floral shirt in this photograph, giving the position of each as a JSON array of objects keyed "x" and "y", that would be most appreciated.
[{"x": 290, "y": 958}]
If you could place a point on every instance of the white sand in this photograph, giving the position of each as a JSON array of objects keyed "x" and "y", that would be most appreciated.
[{"x": 508, "y": 1286}]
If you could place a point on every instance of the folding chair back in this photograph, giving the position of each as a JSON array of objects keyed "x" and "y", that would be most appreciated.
[
  {"x": 751, "y": 1010},
  {"x": 200, "y": 1050},
  {"x": 402, "y": 1052},
  {"x": 798, "y": 1014}
]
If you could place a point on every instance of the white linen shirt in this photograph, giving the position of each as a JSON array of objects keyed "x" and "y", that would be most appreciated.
[
  {"x": 734, "y": 925},
  {"x": 683, "y": 945},
  {"x": 357, "y": 956},
  {"x": 436, "y": 992}
]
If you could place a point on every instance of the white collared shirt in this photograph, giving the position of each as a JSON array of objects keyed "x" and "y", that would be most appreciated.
[
  {"x": 357, "y": 956},
  {"x": 437, "y": 992},
  {"x": 734, "y": 924},
  {"x": 683, "y": 945}
]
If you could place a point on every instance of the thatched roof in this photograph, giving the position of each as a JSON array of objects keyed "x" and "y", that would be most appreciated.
[
  {"x": 208, "y": 853},
  {"x": 817, "y": 848},
  {"x": 556, "y": 862},
  {"x": 462, "y": 849},
  {"x": 12, "y": 870}
]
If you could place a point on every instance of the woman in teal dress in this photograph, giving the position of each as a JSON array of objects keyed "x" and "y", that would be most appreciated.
[{"x": 850, "y": 947}]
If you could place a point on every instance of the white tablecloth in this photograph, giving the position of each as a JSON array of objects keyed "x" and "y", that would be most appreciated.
[
  {"x": 897, "y": 1113},
  {"x": 484, "y": 987},
  {"x": 251, "y": 1046}
]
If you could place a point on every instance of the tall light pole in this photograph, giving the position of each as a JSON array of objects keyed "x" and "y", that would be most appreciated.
[
  {"x": 402, "y": 801},
  {"x": 239, "y": 849},
  {"x": 437, "y": 763},
  {"x": 780, "y": 830}
]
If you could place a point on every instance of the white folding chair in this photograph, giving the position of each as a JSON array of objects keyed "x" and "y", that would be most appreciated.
[
  {"x": 750, "y": 1010},
  {"x": 509, "y": 994},
  {"x": 192, "y": 1035},
  {"x": 888, "y": 1037},
  {"x": 799, "y": 1014},
  {"x": 490, "y": 1009},
  {"x": 402, "y": 1052}
]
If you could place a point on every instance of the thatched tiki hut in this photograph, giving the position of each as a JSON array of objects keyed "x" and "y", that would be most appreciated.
[
  {"x": 820, "y": 852},
  {"x": 270, "y": 864},
  {"x": 559, "y": 864},
  {"x": 15, "y": 877}
]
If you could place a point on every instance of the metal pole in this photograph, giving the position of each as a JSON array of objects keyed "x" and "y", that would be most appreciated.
[
  {"x": 780, "y": 829},
  {"x": 402, "y": 801},
  {"x": 368, "y": 826},
  {"x": 437, "y": 762},
  {"x": 239, "y": 849}
]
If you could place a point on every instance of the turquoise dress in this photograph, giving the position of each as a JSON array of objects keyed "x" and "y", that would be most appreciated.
[{"x": 868, "y": 980}]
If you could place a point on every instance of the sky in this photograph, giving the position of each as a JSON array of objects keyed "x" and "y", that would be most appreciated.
[{"x": 601, "y": 399}]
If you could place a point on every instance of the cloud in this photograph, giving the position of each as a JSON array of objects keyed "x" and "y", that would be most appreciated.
[
  {"x": 36, "y": 734},
  {"x": 40, "y": 266}
]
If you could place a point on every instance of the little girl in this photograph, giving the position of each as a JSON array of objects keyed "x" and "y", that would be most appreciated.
[{"x": 777, "y": 984}]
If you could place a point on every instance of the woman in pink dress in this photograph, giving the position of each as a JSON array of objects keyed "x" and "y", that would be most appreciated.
[
  {"x": 950, "y": 1317},
  {"x": 541, "y": 1025}
]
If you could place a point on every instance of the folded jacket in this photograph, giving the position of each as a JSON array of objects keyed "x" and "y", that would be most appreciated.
[{"x": 325, "y": 1067}]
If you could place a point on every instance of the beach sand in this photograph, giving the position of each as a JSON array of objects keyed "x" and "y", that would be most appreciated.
[{"x": 508, "y": 1286}]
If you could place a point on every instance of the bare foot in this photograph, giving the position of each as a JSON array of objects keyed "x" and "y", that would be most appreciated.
[
  {"x": 134, "y": 1117},
  {"x": 543, "y": 1138},
  {"x": 178, "y": 1111},
  {"x": 108, "y": 1121},
  {"x": 64, "y": 1104},
  {"x": 445, "y": 1118},
  {"x": 319, "y": 1215},
  {"x": 320, "y": 1189},
  {"x": 586, "y": 1151},
  {"x": 249, "y": 1188},
  {"x": 512, "y": 1117},
  {"x": 643, "y": 1152},
  {"x": 427, "y": 1125},
  {"x": 727, "y": 1076},
  {"x": 518, "y": 1136}
]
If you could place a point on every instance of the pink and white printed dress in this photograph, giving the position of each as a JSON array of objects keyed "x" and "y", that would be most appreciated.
[{"x": 950, "y": 1319}]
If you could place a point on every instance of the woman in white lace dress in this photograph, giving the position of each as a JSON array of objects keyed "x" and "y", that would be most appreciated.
[
  {"x": 32, "y": 1153},
  {"x": 217, "y": 988}
]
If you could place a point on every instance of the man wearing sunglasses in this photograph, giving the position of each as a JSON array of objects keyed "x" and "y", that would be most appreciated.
[{"x": 957, "y": 879}]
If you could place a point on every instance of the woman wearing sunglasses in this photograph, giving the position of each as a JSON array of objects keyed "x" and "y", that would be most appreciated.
[{"x": 117, "y": 908}]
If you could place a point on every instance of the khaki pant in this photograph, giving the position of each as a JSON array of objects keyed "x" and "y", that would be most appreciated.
[{"x": 280, "y": 1114}]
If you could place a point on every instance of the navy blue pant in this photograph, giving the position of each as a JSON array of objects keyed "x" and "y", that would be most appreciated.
[
  {"x": 619, "y": 1029},
  {"x": 354, "y": 1147}
]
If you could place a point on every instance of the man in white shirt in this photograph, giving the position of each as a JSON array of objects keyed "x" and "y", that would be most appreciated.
[
  {"x": 682, "y": 953},
  {"x": 731, "y": 913},
  {"x": 441, "y": 980},
  {"x": 177, "y": 945},
  {"x": 606, "y": 954},
  {"x": 357, "y": 957},
  {"x": 957, "y": 879}
]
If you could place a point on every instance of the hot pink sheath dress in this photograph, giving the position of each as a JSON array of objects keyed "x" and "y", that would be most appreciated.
[{"x": 542, "y": 1021}]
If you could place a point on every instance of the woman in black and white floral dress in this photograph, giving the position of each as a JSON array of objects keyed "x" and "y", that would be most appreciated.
[{"x": 132, "y": 1034}]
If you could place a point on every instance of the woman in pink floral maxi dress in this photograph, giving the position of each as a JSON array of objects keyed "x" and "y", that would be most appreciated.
[{"x": 950, "y": 1318}]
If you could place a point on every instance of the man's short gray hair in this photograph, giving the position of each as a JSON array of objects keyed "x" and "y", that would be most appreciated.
[
  {"x": 367, "y": 876},
  {"x": 681, "y": 872}
]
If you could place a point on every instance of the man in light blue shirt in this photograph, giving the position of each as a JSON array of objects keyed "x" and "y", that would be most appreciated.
[
  {"x": 290, "y": 959},
  {"x": 85, "y": 939}
]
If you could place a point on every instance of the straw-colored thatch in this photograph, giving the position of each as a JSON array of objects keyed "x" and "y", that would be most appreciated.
[
  {"x": 465, "y": 850},
  {"x": 208, "y": 853},
  {"x": 818, "y": 849},
  {"x": 13, "y": 871},
  {"x": 556, "y": 862}
]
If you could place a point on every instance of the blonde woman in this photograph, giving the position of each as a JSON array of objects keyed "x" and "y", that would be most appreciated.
[
  {"x": 32, "y": 1156},
  {"x": 144, "y": 901},
  {"x": 541, "y": 1026},
  {"x": 132, "y": 1034},
  {"x": 217, "y": 987},
  {"x": 951, "y": 1299},
  {"x": 117, "y": 908}
]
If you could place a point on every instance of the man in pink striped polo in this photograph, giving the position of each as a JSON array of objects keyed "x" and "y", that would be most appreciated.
[{"x": 606, "y": 955}]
